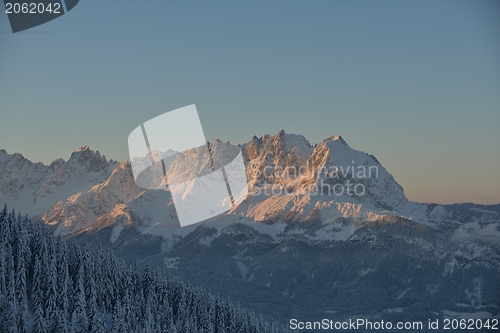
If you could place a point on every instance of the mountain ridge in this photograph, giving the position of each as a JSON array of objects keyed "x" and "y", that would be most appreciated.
[{"x": 71, "y": 195}]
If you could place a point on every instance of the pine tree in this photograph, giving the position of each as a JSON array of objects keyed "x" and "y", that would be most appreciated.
[
  {"x": 13, "y": 313},
  {"x": 64, "y": 284},
  {"x": 21, "y": 291},
  {"x": 119, "y": 324},
  {"x": 39, "y": 325},
  {"x": 149, "y": 316},
  {"x": 79, "y": 319},
  {"x": 51, "y": 295},
  {"x": 3, "y": 285}
]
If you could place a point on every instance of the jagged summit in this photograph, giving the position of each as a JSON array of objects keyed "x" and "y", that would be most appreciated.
[
  {"x": 281, "y": 133},
  {"x": 84, "y": 152},
  {"x": 336, "y": 138},
  {"x": 82, "y": 148},
  {"x": 91, "y": 160}
]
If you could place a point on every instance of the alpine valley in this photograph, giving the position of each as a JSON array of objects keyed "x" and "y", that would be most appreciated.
[{"x": 294, "y": 248}]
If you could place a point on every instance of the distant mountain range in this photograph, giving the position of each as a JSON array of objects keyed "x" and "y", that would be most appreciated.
[{"x": 325, "y": 231}]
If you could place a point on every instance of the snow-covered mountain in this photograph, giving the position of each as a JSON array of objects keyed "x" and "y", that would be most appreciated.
[
  {"x": 302, "y": 243},
  {"x": 291, "y": 182},
  {"x": 35, "y": 188}
]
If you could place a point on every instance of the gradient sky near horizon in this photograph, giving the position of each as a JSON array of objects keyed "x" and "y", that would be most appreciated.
[{"x": 415, "y": 83}]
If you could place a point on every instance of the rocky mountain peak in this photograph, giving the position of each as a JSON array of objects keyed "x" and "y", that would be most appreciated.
[
  {"x": 335, "y": 138},
  {"x": 82, "y": 148},
  {"x": 90, "y": 160}
]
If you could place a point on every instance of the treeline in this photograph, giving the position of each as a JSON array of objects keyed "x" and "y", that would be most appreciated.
[{"x": 50, "y": 286}]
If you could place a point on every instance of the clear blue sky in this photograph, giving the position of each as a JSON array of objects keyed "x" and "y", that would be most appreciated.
[{"x": 415, "y": 83}]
